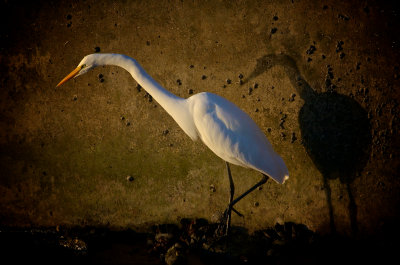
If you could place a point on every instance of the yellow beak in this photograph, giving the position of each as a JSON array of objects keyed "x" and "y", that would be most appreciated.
[{"x": 68, "y": 77}]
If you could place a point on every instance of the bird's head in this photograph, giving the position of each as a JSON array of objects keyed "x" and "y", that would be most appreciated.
[{"x": 88, "y": 63}]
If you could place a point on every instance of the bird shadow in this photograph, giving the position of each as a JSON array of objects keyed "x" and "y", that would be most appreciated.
[{"x": 335, "y": 131}]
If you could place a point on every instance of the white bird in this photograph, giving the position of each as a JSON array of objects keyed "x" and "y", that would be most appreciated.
[{"x": 223, "y": 127}]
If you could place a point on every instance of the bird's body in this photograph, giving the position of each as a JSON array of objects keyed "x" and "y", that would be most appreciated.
[
  {"x": 223, "y": 127},
  {"x": 233, "y": 136}
]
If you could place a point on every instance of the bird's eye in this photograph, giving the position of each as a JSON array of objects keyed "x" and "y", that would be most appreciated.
[{"x": 83, "y": 66}]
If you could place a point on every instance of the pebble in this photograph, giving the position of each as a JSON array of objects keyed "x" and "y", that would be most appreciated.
[
  {"x": 292, "y": 96},
  {"x": 212, "y": 188},
  {"x": 130, "y": 178},
  {"x": 149, "y": 97},
  {"x": 293, "y": 138},
  {"x": 311, "y": 50},
  {"x": 273, "y": 30},
  {"x": 339, "y": 46},
  {"x": 97, "y": 49}
]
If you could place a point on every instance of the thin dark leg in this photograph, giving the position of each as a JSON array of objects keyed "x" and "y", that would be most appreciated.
[
  {"x": 232, "y": 192},
  {"x": 258, "y": 184}
]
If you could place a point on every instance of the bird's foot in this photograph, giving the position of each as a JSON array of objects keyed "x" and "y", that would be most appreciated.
[{"x": 225, "y": 221}]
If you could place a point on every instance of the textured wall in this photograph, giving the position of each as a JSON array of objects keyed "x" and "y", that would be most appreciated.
[{"x": 321, "y": 79}]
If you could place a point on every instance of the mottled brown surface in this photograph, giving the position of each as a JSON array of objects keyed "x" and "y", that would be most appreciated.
[{"x": 327, "y": 78}]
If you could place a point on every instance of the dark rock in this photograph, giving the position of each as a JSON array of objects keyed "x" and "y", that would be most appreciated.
[{"x": 311, "y": 50}]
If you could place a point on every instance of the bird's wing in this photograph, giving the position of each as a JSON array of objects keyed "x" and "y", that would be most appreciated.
[
  {"x": 227, "y": 130},
  {"x": 233, "y": 136}
]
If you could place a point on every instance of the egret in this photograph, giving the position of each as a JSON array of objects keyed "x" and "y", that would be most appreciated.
[{"x": 223, "y": 127}]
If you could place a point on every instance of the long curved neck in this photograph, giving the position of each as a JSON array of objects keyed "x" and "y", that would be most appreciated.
[
  {"x": 175, "y": 106},
  {"x": 165, "y": 98}
]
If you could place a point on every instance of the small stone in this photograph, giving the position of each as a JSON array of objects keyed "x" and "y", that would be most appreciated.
[
  {"x": 273, "y": 30},
  {"x": 344, "y": 17},
  {"x": 69, "y": 17},
  {"x": 293, "y": 138},
  {"x": 311, "y": 50},
  {"x": 190, "y": 91},
  {"x": 139, "y": 88},
  {"x": 203, "y": 77},
  {"x": 240, "y": 76},
  {"x": 228, "y": 81},
  {"x": 191, "y": 66},
  {"x": 292, "y": 96},
  {"x": 275, "y": 18},
  {"x": 165, "y": 132},
  {"x": 212, "y": 188},
  {"x": 130, "y": 178},
  {"x": 97, "y": 49},
  {"x": 339, "y": 46},
  {"x": 256, "y": 204}
]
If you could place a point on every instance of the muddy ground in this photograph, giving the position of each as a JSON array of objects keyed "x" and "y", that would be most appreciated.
[{"x": 320, "y": 78}]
